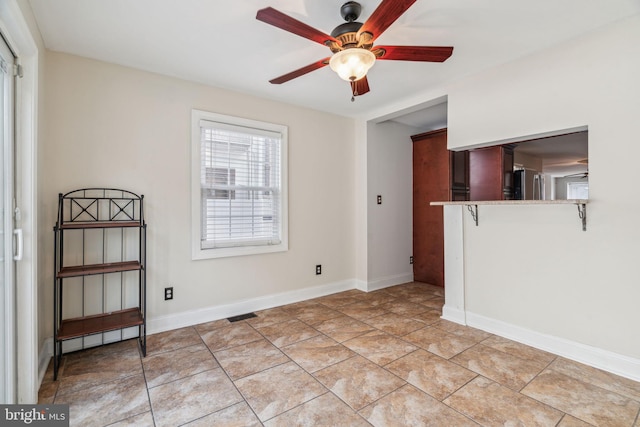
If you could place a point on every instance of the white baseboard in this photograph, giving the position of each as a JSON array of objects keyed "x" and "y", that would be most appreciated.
[
  {"x": 194, "y": 317},
  {"x": 361, "y": 285},
  {"x": 618, "y": 364},
  {"x": 612, "y": 362},
  {"x": 46, "y": 353},
  {"x": 453, "y": 315},
  {"x": 385, "y": 282},
  {"x": 209, "y": 314}
]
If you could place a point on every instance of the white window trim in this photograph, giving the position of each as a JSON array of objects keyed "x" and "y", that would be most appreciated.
[{"x": 197, "y": 252}]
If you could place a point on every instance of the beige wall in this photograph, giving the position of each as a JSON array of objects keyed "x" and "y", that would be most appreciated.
[
  {"x": 112, "y": 126},
  {"x": 533, "y": 267},
  {"x": 390, "y": 224},
  {"x": 527, "y": 161}
]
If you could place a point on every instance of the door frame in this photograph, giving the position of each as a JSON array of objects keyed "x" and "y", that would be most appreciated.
[{"x": 16, "y": 31}]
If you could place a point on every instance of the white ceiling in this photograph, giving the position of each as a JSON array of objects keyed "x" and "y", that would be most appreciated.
[
  {"x": 425, "y": 119},
  {"x": 220, "y": 43},
  {"x": 561, "y": 154}
]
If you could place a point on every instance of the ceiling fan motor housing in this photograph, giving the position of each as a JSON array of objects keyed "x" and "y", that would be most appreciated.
[{"x": 346, "y": 33}]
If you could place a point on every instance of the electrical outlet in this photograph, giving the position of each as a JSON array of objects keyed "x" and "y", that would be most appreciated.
[
  {"x": 168, "y": 293},
  {"x": 318, "y": 269},
  {"x": 410, "y": 260},
  {"x": 379, "y": 199}
]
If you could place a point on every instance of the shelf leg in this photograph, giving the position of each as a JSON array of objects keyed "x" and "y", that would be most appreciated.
[
  {"x": 57, "y": 358},
  {"x": 473, "y": 210}
]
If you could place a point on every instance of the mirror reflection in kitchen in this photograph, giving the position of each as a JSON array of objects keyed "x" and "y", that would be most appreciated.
[{"x": 552, "y": 168}]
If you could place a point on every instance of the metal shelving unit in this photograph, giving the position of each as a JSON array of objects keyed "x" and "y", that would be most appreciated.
[{"x": 100, "y": 269}]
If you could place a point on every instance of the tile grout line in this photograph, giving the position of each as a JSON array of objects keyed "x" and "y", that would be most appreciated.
[
  {"x": 312, "y": 374},
  {"x": 266, "y": 369},
  {"x": 355, "y": 354},
  {"x": 244, "y": 399},
  {"x": 146, "y": 386},
  {"x": 398, "y": 296},
  {"x": 584, "y": 382}
]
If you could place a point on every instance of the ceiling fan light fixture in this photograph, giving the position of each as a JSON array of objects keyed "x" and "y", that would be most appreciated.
[{"x": 352, "y": 64}]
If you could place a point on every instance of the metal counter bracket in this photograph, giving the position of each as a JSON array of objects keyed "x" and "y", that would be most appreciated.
[
  {"x": 473, "y": 210},
  {"x": 582, "y": 214},
  {"x": 472, "y": 206}
]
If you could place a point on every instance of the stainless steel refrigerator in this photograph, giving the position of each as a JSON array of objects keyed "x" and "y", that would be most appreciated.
[{"x": 528, "y": 184}]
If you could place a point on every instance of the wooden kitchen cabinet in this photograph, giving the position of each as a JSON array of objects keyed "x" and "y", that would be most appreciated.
[
  {"x": 459, "y": 175},
  {"x": 438, "y": 175},
  {"x": 491, "y": 173}
]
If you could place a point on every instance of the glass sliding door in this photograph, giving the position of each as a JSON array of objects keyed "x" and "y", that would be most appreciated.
[{"x": 7, "y": 277}]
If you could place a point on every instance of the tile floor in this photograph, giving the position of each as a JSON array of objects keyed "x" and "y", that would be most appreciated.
[{"x": 383, "y": 358}]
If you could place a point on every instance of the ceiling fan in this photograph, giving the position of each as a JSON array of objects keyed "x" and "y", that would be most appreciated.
[
  {"x": 579, "y": 175},
  {"x": 352, "y": 42}
]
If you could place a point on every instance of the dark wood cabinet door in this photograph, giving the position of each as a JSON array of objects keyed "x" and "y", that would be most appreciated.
[
  {"x": 508, "y": 187},
  {"x": 459, "y": 195},
  {"x": 430, "y": 183},
  {"x": 491, "y": 173},
  {"x": 459, "y": 171},
  {"x": 485, "y": 174}
]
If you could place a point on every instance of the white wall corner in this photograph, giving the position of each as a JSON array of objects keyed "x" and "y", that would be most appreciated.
[
  {"x": 385, "y": 282},
  {"x": 46, "y": 353},
  {"x": 454, "y": 289},
  {"x": 453, "y": 314},
  {"x": 609, "y": 361},
  {"x": 361, "y": 285}
]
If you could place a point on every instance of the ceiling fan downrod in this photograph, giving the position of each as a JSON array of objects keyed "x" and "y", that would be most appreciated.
[{"x": 350, "y": 11}]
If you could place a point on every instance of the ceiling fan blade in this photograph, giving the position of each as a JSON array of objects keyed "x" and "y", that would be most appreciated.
[
  {"x": 415, "y": 53},
  {"x": 360, "y": 87},
  {"x": 300, "y": 72},
  {"x": 386, "y": 14},
  {"x": 278, "y": 19},
  {"x": 580, "y": 175}
]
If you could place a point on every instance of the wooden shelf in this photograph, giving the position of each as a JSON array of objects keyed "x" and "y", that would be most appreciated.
[
  {"x": 86, "y": 270},
  {"x": 81, "y": 326},
  {"x": 99, "y": 224}
]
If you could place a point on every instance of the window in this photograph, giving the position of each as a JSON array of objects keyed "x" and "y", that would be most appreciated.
[
  {"x": 220, "y": 177},
  {"x": 239, "y": 193},
  {"x": 577, "y": 190}
]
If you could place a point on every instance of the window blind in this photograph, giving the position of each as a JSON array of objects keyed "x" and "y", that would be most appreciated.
[{"x": 240, "y": 181}]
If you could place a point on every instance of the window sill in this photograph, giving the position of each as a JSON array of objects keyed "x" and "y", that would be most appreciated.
[{"x": 199, "y": 254}]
